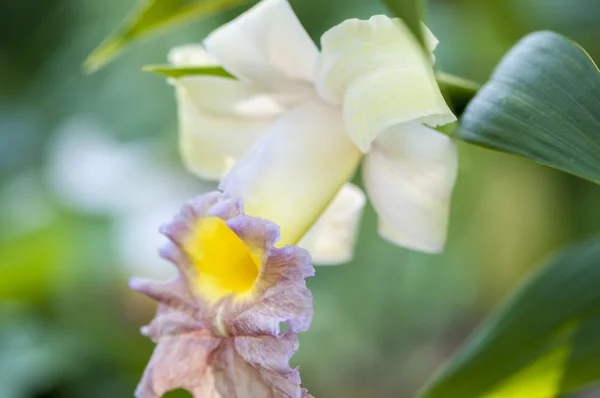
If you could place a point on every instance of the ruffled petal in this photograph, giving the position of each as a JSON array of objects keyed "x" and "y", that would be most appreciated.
[
  {"x": 181, "y": 361},
  {"x": 381, "y": 76},
  {"x": 295, "y": 169},
  {"x": 285, "y": 297},
  {"x": 173, "y": 293},
  {"x": 409, "y": 175},
  {"x": 331, "y": 240},
  {"x": 270, "y": 357},
  {"x": 266, "y": 45},
  {"x": 234, "y": 377}
]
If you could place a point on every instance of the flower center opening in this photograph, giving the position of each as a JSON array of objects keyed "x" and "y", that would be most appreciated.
[{"x": 223, "y": 262}]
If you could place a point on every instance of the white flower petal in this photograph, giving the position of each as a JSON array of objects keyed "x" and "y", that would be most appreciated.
[
  {"x": 331, "y": 240},
  {"x": 219, "y": 121},
  {"x": 295, "y": 169},
  {"x": 266, "y": 45},
  {"x": 229, "y": 97},
  {"x": 379, "y": 73},
  {"x": 431, "y": 42},
  {"x": 409, "y": 175},
  {"x": 191, "y": 55}
]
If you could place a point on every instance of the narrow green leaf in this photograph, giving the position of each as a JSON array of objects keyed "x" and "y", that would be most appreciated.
[
  {"x": 183, "y": 71},
  {"x": 457, "y": 90},
  {"x": 541, "y": 343},
  {"x": 151, "y": 16},
  {"x": 411, "y": 11},
  {"x": 542, "y": 103}
]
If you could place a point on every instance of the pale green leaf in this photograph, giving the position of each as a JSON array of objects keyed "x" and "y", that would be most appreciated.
[
  {"x": 183, "y": 71},
  {"x": 543, "y": 342},
  {"x": 151, "y": 16},
  {"x": 542, "y": 103}
]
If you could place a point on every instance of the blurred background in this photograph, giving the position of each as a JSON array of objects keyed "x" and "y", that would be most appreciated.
[{"x": 89, "y": 169}]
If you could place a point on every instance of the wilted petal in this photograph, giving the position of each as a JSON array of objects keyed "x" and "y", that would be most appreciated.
[
  {"x": 409, "y": 175},
  {"x": 173, "y": 293},
  {"x": 176, "y": 320},
  {"x": 295, "y": 169},
  {"x": 181, "y": 361},
  {"x": 270, "y": 356},
  {"x": 381, "y": 76},
  {"x": 285, "y": 297},
  {"x": 266, "y": 45},
  {"x": 234, "y": 377},
  {"x": 331, "y": 240},
  {"x": 259, "y": 234}
]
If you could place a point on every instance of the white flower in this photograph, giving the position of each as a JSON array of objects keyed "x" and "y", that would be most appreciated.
[{"x": 294, "y": 125}]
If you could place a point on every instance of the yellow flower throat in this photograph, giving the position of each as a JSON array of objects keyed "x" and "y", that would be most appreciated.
[{"x": 223, "y": 263}]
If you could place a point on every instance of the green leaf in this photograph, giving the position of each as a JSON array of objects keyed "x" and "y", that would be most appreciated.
[
  {"x": 411, "y": 12},
  {"x": 183, "y": 71},
  {"x": 541, "y": 343},
  {"x": 151, "y": 16},
  {"x": 542, "y": 103},
  {"x": 457, "y": 90}
]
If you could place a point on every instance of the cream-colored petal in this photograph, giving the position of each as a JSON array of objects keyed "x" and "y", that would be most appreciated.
[
  {"x": 381, "y": 76},
  {"x": 191, "y": 55},
  {"x": 266, "y": 45},
  {"x": 409, "y": 175},
  {"x": 229, "y": 97},
  {"x": 331, "y": 240},
  {"x": 431, "y": 42},
  {"x": 295, "y": 169},
  {"x": 212, "y": 136}
]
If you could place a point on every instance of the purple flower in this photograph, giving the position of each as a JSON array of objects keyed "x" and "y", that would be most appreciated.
[{"x": 217, "y": 328}]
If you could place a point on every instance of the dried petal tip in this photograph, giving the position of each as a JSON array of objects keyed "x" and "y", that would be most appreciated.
[{"x": 217, "y": 327}]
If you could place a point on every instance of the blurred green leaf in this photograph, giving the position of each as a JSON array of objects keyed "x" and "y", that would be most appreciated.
[
  {"x": 541, "y": 343},
  {"x": 411, "y": 12},
  {"x": 542, "y": 103},
  {"x": 182, "y": 71},
  {"x": 29, "y": 264},
  {"x": 457, "y": 90},
  {"x": 151, "y": 16}
]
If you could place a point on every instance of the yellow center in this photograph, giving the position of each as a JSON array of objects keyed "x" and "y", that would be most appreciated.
[{"x": 224, "y": 264}]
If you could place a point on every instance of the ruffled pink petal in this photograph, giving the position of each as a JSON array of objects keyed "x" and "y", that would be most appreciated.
[
  {"x": 257, "y": 233},
  {"x": 234, "y": 377},
  {"x": 181, "y": 361},
  {"x": 227, "y": 208},
  {"x": 285, "y": 299},
  {"x": 173, "y": 293},
  {"x": 211, "y": 204},
  {"x": 270, "y": 357},
  {"x": 169, "y": 321}
]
